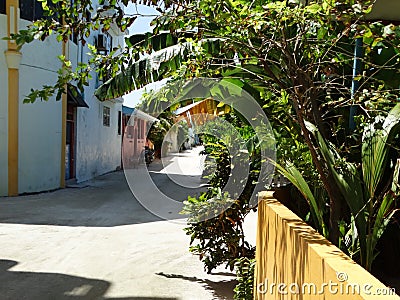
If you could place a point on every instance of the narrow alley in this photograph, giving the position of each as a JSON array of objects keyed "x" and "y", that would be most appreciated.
[{"x": 96, "y": 241}]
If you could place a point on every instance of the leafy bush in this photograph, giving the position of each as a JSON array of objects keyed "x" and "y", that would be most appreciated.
[
  {"x": 215, "y": 221},
  {"x": 245, "y": 277},
  {"x": 220, "y": 239}
]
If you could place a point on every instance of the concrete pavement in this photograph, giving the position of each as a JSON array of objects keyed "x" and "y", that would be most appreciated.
[{"x": 96, "y": 241}]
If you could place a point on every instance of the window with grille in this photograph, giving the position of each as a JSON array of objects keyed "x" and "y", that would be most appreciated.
[
  {"x": 106, "y": 116},
  {"x": 30, "y": 10},
  {"x": 3, "y": 7},
  {"x": 119, "y": 122}
]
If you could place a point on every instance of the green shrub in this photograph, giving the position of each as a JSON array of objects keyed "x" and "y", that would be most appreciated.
[
  {"x": 245, "y": 277},
  {"x": 217, "y": 232},
  {"x": 215, "y": 221}
]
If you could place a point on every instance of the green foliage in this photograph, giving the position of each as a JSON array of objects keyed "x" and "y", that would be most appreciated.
[
  {"x": 317, "y": 209},
  {"x": 303, "y": 81},
  {"x": 370, "y": 195},
  {"x": 377, "y": 138},
  {"x": 221, "y": 167},
  {"x": 215, "y": 218},
  {"x": 220, "y": 239},
  {"x": 138, "y": 73},
  {"x": 245, "y": 277},
  {"x": 159, "y": 129}
]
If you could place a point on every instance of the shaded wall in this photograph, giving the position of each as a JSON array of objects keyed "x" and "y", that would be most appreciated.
[{"x": 39, "y": 161}]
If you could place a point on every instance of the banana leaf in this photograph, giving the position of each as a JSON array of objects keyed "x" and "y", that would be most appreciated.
[
  {"x": 142, "y": 72},
  {"x": 153, "y": 67}
]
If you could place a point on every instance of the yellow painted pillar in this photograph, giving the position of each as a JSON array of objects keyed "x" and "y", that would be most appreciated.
[{"x": 13, "y": 59}]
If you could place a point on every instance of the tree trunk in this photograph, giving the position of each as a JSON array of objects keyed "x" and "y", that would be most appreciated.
[{"x": 336, "y": 211}]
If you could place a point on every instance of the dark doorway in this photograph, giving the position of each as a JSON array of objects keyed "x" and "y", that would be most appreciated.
[
  {"x": 74, "y": 100},
  {"x": 70, "y": 143}
]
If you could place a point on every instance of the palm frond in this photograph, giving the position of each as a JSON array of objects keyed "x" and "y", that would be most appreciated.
[
  {"x": 375, "y": 150},
  {"x": 295, "y": 177}
]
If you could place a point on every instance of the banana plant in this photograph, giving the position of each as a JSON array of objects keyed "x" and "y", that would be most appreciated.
[
  {"x": 166, "y": 55},
  {"x": 148, "y": 69}
]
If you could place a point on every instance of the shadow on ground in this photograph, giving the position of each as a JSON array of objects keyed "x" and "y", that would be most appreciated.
[
  {"x": 168, "y": 180},
  {"x": 106, "y": 201},
  {"x": 32, "y": 285},
  {"x": 221, "y": 289}
]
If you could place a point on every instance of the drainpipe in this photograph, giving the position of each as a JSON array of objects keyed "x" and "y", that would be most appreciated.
[{"x": 355, "y": 85}]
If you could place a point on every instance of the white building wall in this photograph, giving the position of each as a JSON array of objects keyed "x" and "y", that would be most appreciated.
[
  {"x": 3, "y": 109},
  {"x": 98, "y": 148},
  {"x": 39, "y": 122}
]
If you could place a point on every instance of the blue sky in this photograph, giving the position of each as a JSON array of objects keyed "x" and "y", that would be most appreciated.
[{"x": 141, "y": 25}]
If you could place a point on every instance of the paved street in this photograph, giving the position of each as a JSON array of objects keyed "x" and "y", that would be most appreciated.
[{"x": 95, "y": 241}]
